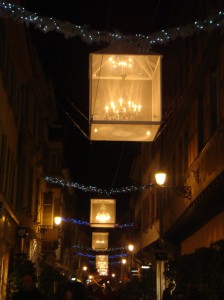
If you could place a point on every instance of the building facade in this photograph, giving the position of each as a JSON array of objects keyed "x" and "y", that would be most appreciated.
[
  {"x": 187, "y": 212},
  {"x": 28, "y": 204}
]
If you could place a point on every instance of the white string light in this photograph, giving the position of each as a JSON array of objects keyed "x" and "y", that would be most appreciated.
[
  {"x": 89, "y": 36},
  {"x": 94, "y": 189}
]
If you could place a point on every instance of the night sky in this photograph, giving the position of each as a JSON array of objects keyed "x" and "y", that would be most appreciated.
[{"x": 65, "y": 61}]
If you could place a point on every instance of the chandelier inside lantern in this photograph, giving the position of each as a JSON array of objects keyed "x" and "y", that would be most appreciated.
[
  {"x": 103, "y": 215},
  {"x": 124, "y": 108},
  {"x": 100, "y": 240}
]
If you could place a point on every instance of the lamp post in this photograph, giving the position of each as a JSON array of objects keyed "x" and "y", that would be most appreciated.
[
  {"x": 123, "y": 268},
  {"x": 160, "y": 178},
  {"x": 182, "y": 191},
  {"x": 131, "y": 248}
]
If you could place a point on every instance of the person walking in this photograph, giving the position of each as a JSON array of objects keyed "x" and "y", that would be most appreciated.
[
  {"x": 28, "y": 290},
  {"x": 74, "y": 291},
  {"x": 168, "y": 292}
]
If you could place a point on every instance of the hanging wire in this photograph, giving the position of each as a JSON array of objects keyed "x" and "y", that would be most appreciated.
[
  {"x": 118, "y": 166},
  {"x": 72, "y": 120},
  {"x": 73, "y": 104}
]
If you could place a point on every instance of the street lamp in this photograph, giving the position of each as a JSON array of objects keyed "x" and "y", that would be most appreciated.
[
  {"x": 182, "y": 192},
  {"x": 131, "y": 248},
  {"x": 84, "y": 268},
  {"x": 160, "y": 178},
  {"x": 124, "y": 261},
  {"x": 57, "y": 220}
]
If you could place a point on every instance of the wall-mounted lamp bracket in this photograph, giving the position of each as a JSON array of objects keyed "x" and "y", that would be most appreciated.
[
  {"x": 196, "y": 175},
  {"x": 184, "y": 192},
  {"x": 43, "y": 228}
]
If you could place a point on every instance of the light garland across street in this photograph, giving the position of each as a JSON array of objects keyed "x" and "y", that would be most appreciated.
[
  {"x": 90, "y": 36},
  {"x": 94, "y": 189},
  {"x": 82, "y": 222}
]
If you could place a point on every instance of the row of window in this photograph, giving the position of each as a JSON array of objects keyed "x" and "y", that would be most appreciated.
[
  {"x": 187, "y": 134},
  {"x": 17, "y": 170}
]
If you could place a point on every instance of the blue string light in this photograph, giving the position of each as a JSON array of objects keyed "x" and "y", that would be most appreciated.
[
  {"x": 94, "y": 256},
  {"x": 108, "y": 250},
  {"x": 80, "y": 222}
]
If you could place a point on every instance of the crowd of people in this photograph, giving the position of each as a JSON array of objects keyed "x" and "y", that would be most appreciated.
[
  {"x": 70, "y": 291},
  {"x": 77, "y": 291}
]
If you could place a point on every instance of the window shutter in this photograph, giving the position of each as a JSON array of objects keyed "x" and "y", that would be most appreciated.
[{"x": 47, "y": 211}]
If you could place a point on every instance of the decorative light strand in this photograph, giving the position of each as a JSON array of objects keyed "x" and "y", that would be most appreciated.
[
  {"x": 93, "y": 189},
  {"x": 81, "y": 222},
  {"x": 108, "y": 250},
  {"x": 90, "y": 36},
  {"x": 109, "y": 256},
  {"x": 92, "y": 262}
]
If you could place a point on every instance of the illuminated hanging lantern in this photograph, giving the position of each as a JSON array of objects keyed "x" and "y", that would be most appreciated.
[
  {"x": 102, "y": 213},
  {"x": 102, "y": 264},
  {"x": 125, "y": 94},
  {"x": 100, "y": 240}
]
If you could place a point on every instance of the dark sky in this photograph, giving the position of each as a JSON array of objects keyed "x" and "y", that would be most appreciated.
[{"x": 65, "y": 61}]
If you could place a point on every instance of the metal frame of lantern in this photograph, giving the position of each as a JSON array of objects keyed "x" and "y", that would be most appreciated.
[
  {"x": 103, "y": 213},
  {"x": 100, "y": 240},
  {"x": 125, "y": 94}
]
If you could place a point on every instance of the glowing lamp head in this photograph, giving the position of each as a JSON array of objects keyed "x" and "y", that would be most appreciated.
[
  {"x": 130, "y": 247},
  {"x": 160, "y": 178},
  {"x": 57, "y": 220}
]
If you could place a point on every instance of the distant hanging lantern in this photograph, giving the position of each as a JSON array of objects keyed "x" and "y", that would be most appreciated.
[
  {"x": 102, "y": 264},
  {"x": 100, "y": 240},
  {"x": 103, "y": 212},
  {"x": 125, "y": 94}
]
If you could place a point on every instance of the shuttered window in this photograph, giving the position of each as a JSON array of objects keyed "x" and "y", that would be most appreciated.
[{"x": 47, "y": 211}]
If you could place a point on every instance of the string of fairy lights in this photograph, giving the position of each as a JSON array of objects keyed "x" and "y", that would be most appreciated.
[
  {"x": 85, "y": 223},
  {"x": 108, "y": 250},
  {"x": 90, "y": 36},
  {"x": 94, "y": 189},
  {"x": 91, "y": 253}
]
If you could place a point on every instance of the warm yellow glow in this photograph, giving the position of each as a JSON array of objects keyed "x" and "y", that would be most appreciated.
[
  {"x": 160, "y": 178},
  {"x": 124, "y": 261},
  {"x": 122, "y": 62},
  {"x": 148, "y": 133},
  {"x": 95, "y": 130},
  {"x": 99, "y": 242},
  {"x": 123, "y": 110},
  {"x": 57, "y": 220},
  {"x": 103, "y": 215},
  {"x": 130, "y": 247},
  {"x": 84, "y": 268},
  {"x": 125, "y": 94},
  {"x": 113, "y": 275}
]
